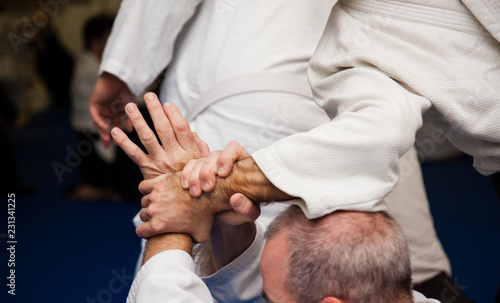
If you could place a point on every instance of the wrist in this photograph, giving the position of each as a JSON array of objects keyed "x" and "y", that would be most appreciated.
[
  {"x": 229, "y": 242},
  {"x": 164, "y": 242},
  {"x": 248, "y": 179}
]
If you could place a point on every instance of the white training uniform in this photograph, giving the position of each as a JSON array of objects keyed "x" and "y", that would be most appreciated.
[
  {"x": 224, "y": 44},
  {"x": 381, "y": 68},
  {"x": 85, "y": 76},
  {"x": 173, "y": 276}
]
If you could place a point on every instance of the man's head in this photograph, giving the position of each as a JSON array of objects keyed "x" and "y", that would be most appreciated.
[{"x": 346, "y": 256}]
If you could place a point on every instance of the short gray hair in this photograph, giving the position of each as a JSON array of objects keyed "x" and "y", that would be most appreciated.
[{"x": 351, "y": 255}]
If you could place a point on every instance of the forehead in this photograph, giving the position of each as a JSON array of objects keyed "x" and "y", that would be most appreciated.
[{"x": 274, "y": 268}]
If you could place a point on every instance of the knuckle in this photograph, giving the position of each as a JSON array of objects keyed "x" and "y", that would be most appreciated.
[
  {"x": 194, "y": 179},
  {"x": 233, "y": 145},
  {"x": 206, "y": 174},
  {"x": 138, "y": 232},
  {"x": 163, "y": 127},
  {"x": 157, "y": 227},
  {"x": 182, "y": 127},
  {"x": 142, "y": 189},
  {"x": 153, "y": 196},
  {"x": 148, "y": 137},
  {"x": 149, "y": 211}
]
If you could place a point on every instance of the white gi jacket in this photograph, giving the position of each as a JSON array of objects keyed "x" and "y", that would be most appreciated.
[
  {"x": 206, "y": 43},
  {"x": 173, "y": 276},
  {"x": 381, "y": 68},
  {"x": 209, "y": 49},
  {"x": 216, "y": 45}
]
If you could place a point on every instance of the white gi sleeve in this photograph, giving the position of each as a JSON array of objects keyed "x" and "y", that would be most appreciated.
[
  {"x": 169, "y": 277},
  {"x": 240, "y": 281},
  {"x": 351, "y": 163},
  {"x": 141, "y": 43}
]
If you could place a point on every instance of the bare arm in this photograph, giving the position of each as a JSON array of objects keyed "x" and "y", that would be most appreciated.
[{"x": 164, "y": 242}]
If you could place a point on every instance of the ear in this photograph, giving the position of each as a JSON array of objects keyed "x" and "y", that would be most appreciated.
[{"x": 331, "y": 300}]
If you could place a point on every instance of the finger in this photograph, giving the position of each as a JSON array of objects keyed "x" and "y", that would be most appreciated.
[
  {"x": 243, "y": 210},
  {"x": 181, "y": 127},
  {"x": 202, "y": 146},
  {"x": 186, "y": 173},
  {"x": 232, "y": 153},
  {"x": 248, "y": 209},
  {"x": 145, "y": 201},
  {"x": 208, "y": 171},
  {"x": 162, "y": 124},
  {"x": 143, "y": 214},
  {"x": 146, "y": 135},
  {"x": 194, "y": 180},
  {"x": 129, "y": 147},
  {"x": 144, "y": 230},
  {"x": 101, "y": 125},
  {"x": 146, "y": 186}
]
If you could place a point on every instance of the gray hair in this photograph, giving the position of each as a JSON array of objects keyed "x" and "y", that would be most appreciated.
[{"x": 351, "y": 255}]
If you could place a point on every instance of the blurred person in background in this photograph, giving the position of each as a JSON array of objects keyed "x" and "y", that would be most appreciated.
[{"x": 98, "y": 167}]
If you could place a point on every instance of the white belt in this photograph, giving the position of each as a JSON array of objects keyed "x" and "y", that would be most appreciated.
[{"x": 256, "y": 82}]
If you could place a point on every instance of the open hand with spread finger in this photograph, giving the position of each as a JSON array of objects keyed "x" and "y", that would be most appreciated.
[{"x": 178, "y": 143}]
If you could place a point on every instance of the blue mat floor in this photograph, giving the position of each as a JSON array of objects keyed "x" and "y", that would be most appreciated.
[{"x": 86, "y": 252}]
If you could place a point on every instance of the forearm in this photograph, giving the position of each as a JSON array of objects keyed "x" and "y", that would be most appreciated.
[
  {"x": 164, "y": 242},
  {"x": 247, "y": 178},
  {"x": 240, "y": 280},
  {"x": 229, "y": 242}
]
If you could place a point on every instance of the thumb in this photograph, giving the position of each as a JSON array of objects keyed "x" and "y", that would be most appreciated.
[
  {"x": 242, "y": 205},
  {"x": 243, "y": 210}
]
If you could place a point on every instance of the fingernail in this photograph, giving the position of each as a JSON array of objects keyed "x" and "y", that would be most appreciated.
[
  {"x": 168, "y": 104},
  {"x": 205, "y": 185},
  {"x": 130, "y": 108},
  {"x": 184, "y": 183},
  {"x": 221, "y": 170},
  {"x": 149, "y": 97},
  {"x": 193, "y": 191},
  {"x": 114, "y": 131},
  {"x": 239, "y": 202}
]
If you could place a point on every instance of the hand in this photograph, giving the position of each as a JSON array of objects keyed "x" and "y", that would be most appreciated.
[
  {"x": 243, "y": 210},
  {"x": 107, "y": 104},
  {"x": 179, "y": 143},
  {"x": 204, "y": 170},
  {"x": 168, "y": 208},
  {"x": 200, "y": 174}
]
